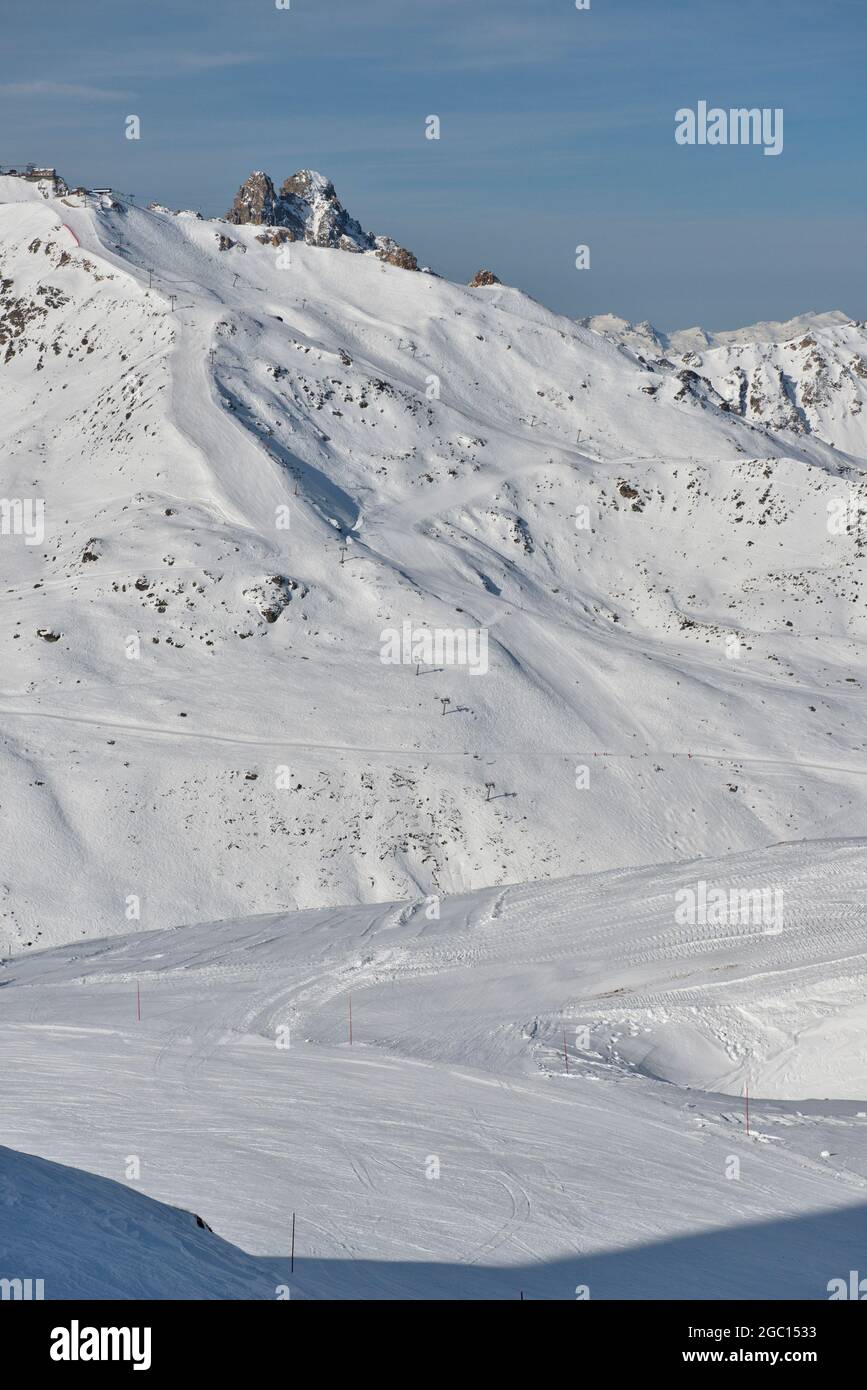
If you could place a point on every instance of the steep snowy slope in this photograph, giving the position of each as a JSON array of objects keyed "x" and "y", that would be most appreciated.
[
  {"x": 497, "y": 1123},
  {"x": 256, "y": 461},
  {"x": 84, "y": 1237},
  {"x": 806, "y": 376}
]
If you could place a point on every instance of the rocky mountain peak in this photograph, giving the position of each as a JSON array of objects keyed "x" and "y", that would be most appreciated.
[
  {"x": 308, "y": 206},
  {"x": 256, "y": 201},
  {"x": 308, "y": 185}
]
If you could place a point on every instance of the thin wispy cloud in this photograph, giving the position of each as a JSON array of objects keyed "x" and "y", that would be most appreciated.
[
  {"x": 66, "y": 91},
  {"x": 563, "y": 117},
  {"x": 156, "y": 64}
]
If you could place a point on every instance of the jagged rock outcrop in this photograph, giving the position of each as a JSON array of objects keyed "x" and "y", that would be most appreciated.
[
  {"x": 804, "y": 376},
  {"x": 255, "y": 201},
  {"x": 484, "y": 277},
  {"x": 399, "y": 256},
  {"x": 309, "y": 206},
  {"x": 308, "y": 209},
  {"x": 278, "y": 237}
]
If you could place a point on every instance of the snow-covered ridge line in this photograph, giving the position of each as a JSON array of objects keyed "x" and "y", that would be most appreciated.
[
  {"x": 254, "y": 461},
  {"x": 307, "y": 209},
  {"x": 472, "y": 974},
  {"x": 808, "y": 375}
]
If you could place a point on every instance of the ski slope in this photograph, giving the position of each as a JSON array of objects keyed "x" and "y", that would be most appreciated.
[
  {"x": 231, "y": 833},
  {"x": 193, "y": 702},
  {"x": 243, "y": 1100}
]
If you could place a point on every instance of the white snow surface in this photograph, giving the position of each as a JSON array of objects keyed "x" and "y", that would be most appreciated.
[
  {"x": 244, "y": 1100},
  {"x": 202, "y": 761},
  {"x": 215, "y": 798},
  {"x": 805, "y": 376},
  {"x": 86, "y": 1238}
]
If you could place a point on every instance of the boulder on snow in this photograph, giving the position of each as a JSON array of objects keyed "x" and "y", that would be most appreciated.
[
  {"x": 399, "y": 256},
  {"x": 272, "y": 595},
  {"x": 278, "y": 237},
  {"x": 484, "y": 277}
]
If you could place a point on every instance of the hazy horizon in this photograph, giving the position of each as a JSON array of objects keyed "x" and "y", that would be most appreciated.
[{"x": 557, "y": 130}]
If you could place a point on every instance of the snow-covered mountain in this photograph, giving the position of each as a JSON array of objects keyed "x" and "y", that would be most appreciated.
[
  {"x": 257, "y": 462},
  {"x": 388, "y": 655},
  {"x": 308, "y": 209},
  {"x": 806, "y": 376}
]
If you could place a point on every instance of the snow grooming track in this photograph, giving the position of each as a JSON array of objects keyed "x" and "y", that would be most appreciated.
[
  {"x": 441, "y": 1068},
  {"x": 543, "y": 1084}
]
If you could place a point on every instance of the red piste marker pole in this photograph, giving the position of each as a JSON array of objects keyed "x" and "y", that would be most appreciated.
[
  {"x": 292, "y": 1267},
  {"x": 565, "y": 1050}
]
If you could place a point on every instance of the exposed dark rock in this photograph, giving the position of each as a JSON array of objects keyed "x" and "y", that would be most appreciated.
[
  {"x": 484, "y": 277},
  {"x": 255, "y": 201},
  {"x": 278, "y": 237},
  {"x": 308, "y": 209},
  {"x": 399, "y": 256}
]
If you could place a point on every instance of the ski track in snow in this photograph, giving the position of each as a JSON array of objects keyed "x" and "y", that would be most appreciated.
[
  {"x": 561, "y": 1162},
  {"x": 261, "y": 388},
  {"x": 538, "y": 1167}
]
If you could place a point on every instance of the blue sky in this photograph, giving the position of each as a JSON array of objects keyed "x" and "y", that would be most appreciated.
[{"x": 557, "y": 129}]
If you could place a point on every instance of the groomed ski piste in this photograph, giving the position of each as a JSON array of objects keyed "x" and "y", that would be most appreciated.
[
  {"x": 545, "y": 1095},
  {"x": 231, "y": 834}
]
